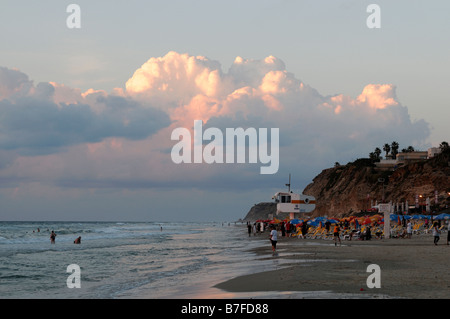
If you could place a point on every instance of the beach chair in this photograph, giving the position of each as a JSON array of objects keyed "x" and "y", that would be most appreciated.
[
  {"x": 315, "y": 232},
  {"x": 426, "y": 230},
  {"x": 324, "y": 233},
  {"x": 416, "y": 228}
]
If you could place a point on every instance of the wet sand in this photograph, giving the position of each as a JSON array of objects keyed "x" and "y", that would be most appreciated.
[{"x": 410, "y": 268}]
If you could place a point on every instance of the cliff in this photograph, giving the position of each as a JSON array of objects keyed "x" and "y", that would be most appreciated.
[
  {"x": 347, "y": 189},
  {"x": 343, "y": 190},
  {"x": 261, "y": 211}
]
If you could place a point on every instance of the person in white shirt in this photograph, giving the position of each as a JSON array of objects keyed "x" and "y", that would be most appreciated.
[
  {"x": 274, "y": 239},
  {"x": 409, "y": 229}
]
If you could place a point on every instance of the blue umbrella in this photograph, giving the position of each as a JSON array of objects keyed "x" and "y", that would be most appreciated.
[
  {"x": 313, "y": 223},
  {"x": 442, "y": 216},
  {"x": 393, "y": 217}
]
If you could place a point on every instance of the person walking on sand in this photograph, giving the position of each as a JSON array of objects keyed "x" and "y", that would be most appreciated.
[
  {"x": 436, "y": 233},
  {"x": 52, "y": 237},
  {"x": 336, "y": 235},
  {"x": 273, "y": 239},
  {"x": 304, "y": 229}
]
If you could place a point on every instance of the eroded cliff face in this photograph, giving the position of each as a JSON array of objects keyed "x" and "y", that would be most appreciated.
[
  {"x": 261, "y": 211},
  {"x": 344, "y": 190}
]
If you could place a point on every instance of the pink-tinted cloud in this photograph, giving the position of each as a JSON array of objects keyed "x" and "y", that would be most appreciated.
[{"x": 118, "y": 139}]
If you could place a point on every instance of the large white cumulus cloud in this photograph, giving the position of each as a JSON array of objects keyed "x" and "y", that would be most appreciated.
[
  {"x": 124, "y": 138},
  {"x": 257, "y": 93}
]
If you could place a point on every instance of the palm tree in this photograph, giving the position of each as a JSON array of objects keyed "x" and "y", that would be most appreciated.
[
  {"x": 377, "y": 153},
  {"x": 394, "y": 148},
  {"x": 444, "y": 146},
  {"x": 386, "y": 148},
  {"x": 408, "y": 150}
]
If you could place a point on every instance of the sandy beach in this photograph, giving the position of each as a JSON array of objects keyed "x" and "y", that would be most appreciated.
[{"x": 409, "y": 268}]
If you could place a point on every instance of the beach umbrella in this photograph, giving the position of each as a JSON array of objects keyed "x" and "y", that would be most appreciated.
[
  {"x": 313, "y": 223},
  {"x": 295, "y": 221},
  {"x": 333, "y": 221},
  {"x": 367, "y": 221},
  {"x": 442, "y": 216}
]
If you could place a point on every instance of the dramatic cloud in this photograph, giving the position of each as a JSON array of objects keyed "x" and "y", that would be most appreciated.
[
  {"x": 191, "y": 88},
  {"x": 315, "y": 130},
  {"x": 96, "y": 140},
  {"x": 32, "y": 122}
]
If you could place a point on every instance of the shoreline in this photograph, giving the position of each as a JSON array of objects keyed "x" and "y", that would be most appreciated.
[{"x": 315, "y": 268}]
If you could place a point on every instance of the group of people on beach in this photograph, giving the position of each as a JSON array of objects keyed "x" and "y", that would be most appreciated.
[
  {"x": 367, "y": 235},
  {"x": 436, "y": 230}
]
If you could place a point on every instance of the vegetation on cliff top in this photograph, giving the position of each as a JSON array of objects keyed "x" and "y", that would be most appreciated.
[{"x": 354, "y": 186}]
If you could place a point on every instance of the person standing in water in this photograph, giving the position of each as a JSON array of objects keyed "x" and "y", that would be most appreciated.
[{"x": 52, "y": 237}]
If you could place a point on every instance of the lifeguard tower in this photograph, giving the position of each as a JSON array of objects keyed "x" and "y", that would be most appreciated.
[{"x": 292, "y": 203}]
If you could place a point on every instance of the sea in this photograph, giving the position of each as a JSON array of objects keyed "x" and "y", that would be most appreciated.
[{"x": 125, "y": 260}]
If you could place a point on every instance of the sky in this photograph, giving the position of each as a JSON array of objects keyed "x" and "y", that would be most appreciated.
[{"x": 87, "y": 114}]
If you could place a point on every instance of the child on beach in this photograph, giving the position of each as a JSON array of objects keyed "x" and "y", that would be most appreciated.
[{"x": 436, "y": 233}]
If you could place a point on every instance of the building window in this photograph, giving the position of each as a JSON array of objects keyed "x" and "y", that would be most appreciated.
[{"x": 285, "y": 199}]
